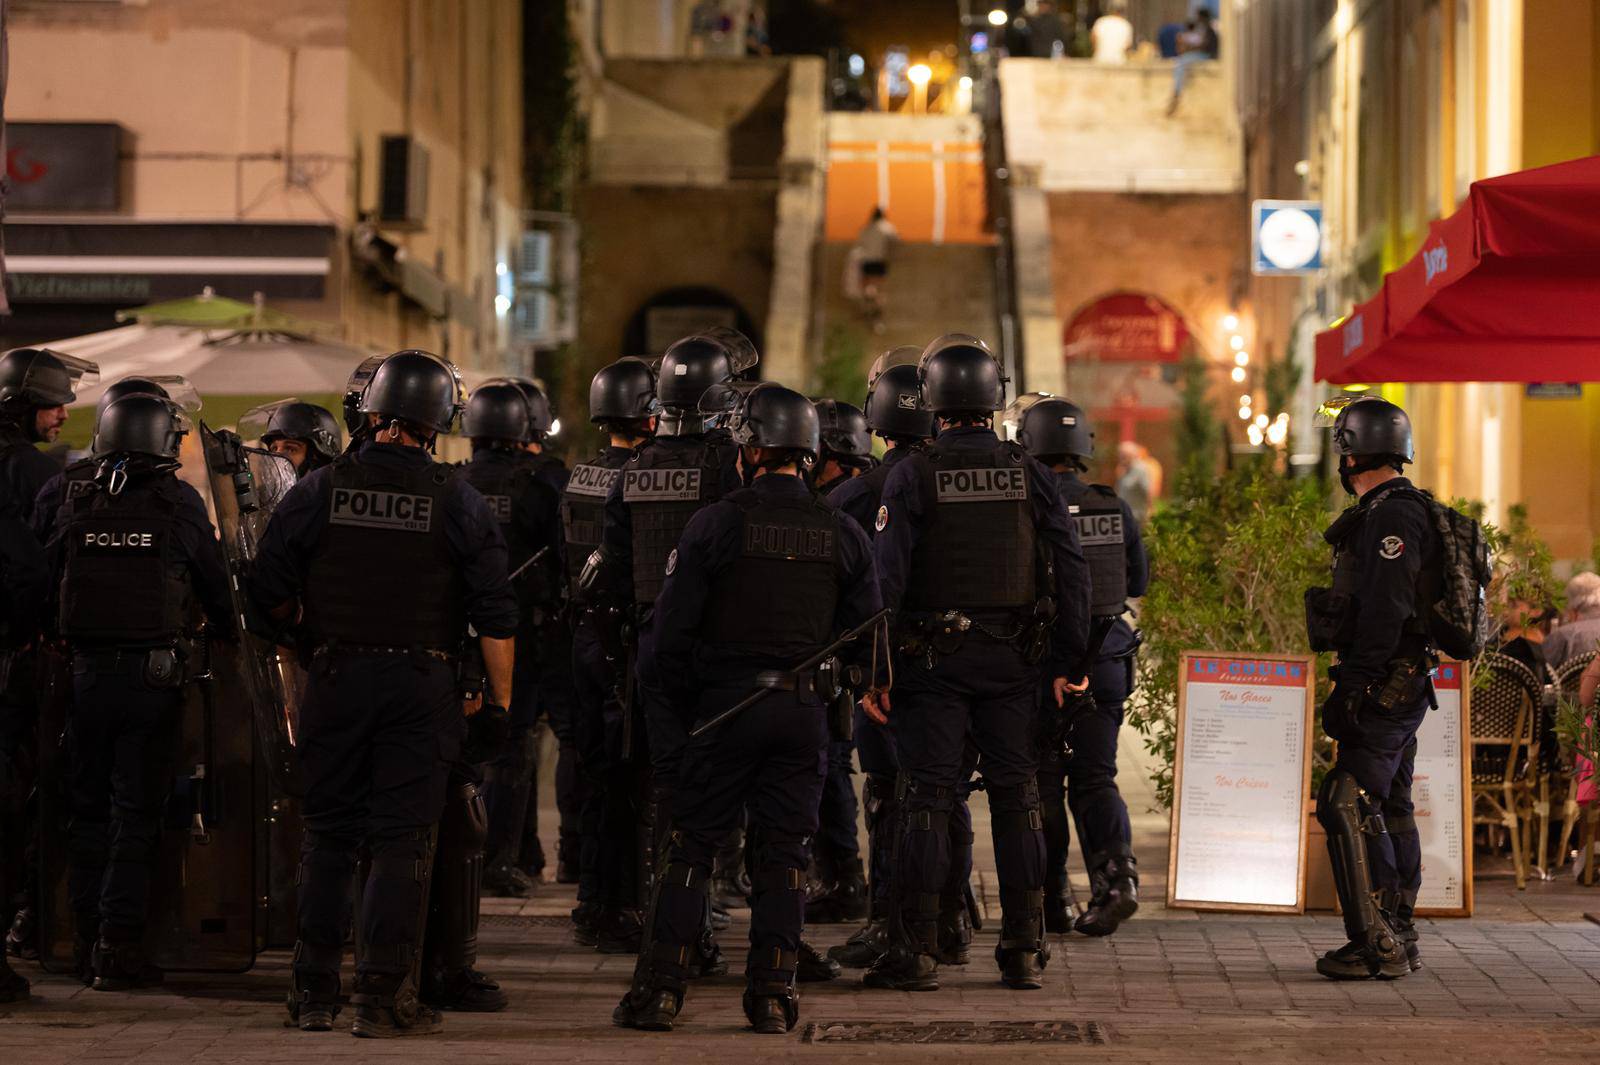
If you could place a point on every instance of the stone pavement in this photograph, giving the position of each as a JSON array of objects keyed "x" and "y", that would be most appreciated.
[{"x": 1520, "y": 981}]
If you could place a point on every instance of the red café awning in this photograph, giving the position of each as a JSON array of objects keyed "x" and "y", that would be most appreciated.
[{"x": 1505, "y": 289}]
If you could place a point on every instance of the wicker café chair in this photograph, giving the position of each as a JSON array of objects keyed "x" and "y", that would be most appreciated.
[
  {"x": 1505, "y": 756},
  {"x": 1565, "y": 787}
]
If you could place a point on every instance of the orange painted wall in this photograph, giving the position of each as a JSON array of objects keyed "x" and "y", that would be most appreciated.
[{"x": 912, "y": 174}]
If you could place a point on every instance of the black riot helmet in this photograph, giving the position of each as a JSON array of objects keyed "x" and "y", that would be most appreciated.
[
  {"x": 1051, "y": 426},
  {"x": 354, "y": 420},
  {"x": 894, "y": 406},
  {"x": 1373, "y": 428},
  {"x": 772, "y": 416},
  {"x": 140, "y": 424},
  {"x": 128, "y": 386},
  {"x": 845, "y": 436},
  {"x": 38, "y": 377},
  {"x": 541, "y": 417},
  {"x": 417, "y": 387},
  {"x": 498, "y": 410},
  {"x": 960, "y": 376},
  {"x": 625, "y": 391},
  {"x": 695, "y": 364},
  {"x": 297, "y": 420}
]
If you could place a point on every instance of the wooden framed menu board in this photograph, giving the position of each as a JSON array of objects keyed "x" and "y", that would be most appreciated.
[
  {"x": 1442, "y": 792},
  {"x": 1241, "y": 775}
]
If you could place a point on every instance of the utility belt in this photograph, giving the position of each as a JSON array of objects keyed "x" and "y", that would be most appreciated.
[
  {"x": 832, "y": 682},
  {"x": 1410, "y": 677},
  {"x": 160, "y": 667},
  {"x": 928, "y": 637},
  {"x": 328, "y": 655}
]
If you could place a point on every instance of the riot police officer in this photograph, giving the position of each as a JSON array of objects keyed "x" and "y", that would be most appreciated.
[
  {"x": 384, "y": 557},
  {"x": 548, "y": 671},
  {"x": 1059, "y": 435},
  {"x": 622, "y": 402},
  {"x": 974, "y": 542},
  {"x": 304, "y": 433},
  {"x": 35, "y": 387},
  {"x": 690, "y": 464},
  {"x": 1385, "y": 549},
  {"x": 759, "y": 582},
  {"x": 500, "y": 422},
  {"x": 894, "y": 411},
  {"x": 129, "y": 555},
  {"x": 846, "y": 453}
]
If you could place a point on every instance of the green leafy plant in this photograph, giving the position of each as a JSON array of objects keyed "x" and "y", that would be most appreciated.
[
  {"x": 1229, "y": 569},
  {"x": 842, "y": 373},
  {"x": 1199, "y": 432}
]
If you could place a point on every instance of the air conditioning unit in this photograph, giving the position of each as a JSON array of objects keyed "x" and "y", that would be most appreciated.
[{"x": 402, "y": 181}]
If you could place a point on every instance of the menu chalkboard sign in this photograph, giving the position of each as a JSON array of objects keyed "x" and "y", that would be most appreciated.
[
  {"x": 1441, "y": 790},
  {"x": 1240, "y": 781}
]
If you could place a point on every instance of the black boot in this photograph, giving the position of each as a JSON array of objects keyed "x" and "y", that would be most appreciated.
[
  {"x": 1405, "y": 927},
  {"x": 464, "y": 991},
  {"x": 841, "y": 892},
  {"x": 731, "y": 892},
  {"x": 955, "y": 932},
  {"x": 1384, "y": 959},
  {"x": 1021, "y": 952},
  {"x": 586, "y": 924},
  {"x": 22, "y": 938},
  {"x": 386, "y": 1010},
  {"x": 567, "y": 849},
  {"x": 652, "y": 1004},
  {"x": 619, "y": 931},
  {"x": 120, "y": 963},
  {"x": 507, "y": 882},
  {"x": 1117, "y": 898},
  {"x": 773, "y": 1008},
  {"x": 85, "y": 932},
  {"x": 911, "y": 963},
  {"x": 863, "y": 948},
  {"x": 813, "y": 967},
  {"x": 314, "y": 987}
]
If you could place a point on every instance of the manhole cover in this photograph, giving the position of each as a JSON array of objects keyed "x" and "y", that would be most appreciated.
[
  {"x": 1091, "y": 1033},
  {"x": 518, "y": 920}
]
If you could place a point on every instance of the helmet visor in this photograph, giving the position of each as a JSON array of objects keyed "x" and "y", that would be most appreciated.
[
  {"x": 905, "y": 355},
  {"x": 742, "y": 354},
  {"x": 254, "y": 423},
  {"x": 179, "y": 389},
  {"x": 1011, "y": 417},
  {"x": 1328, "y": 410},
  {"x": 47, "y": 384}
]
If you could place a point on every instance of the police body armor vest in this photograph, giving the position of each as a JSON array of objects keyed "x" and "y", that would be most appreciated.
[
  {"x": 780, "y": 595},
  {"x": 504, "y": 485},
  {"x": 663, "y": 490},
  {"x": 124, "y": 581},
  {"x": 583, "y": 509},
  {"x": 979, "y": 548},
  {"x": 1098, "y": 514},
  {"x": 381, "y": 574}
]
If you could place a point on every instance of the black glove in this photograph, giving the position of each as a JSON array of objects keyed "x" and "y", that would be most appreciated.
[
  {"x": 1341, "y": 713},
  {"x": 487, "y": 732}
]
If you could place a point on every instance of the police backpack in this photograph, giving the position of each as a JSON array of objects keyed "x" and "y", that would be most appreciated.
[{"x": 1457, "y": 612}]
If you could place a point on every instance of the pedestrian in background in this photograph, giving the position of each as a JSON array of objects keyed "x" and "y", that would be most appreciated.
[{"x": 1579, "y": 631}]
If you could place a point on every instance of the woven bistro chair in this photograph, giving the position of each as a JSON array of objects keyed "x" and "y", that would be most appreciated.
[
  {"x": 1505, "y": 756},
  {"x": 1566, "y": 680}
]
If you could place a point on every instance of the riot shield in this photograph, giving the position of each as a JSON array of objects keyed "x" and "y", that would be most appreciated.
[{"x": 247, "y": 483}]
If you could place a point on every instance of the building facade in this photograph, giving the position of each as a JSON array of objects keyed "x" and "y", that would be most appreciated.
[
  {"x": 357, "y": 162},
  {"x": 1386, "y": 112}
]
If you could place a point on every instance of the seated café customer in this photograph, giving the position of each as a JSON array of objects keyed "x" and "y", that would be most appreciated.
[{"x": 1579, "y": 631}]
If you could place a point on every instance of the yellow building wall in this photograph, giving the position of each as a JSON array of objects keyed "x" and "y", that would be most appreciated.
[{"x": 1560, "y": 438}]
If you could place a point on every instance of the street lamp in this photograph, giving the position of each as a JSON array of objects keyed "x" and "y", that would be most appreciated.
[
  {"x": 919, "y": 75},
  {"x": 998, "y": 17}
]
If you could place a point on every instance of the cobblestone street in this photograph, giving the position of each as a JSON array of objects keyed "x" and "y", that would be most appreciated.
[{"x": 1519, "y": 981}]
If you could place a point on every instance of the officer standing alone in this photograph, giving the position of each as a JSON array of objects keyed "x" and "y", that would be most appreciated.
[
  {"x": 974, "y": 542},
  {"x": 129, "y": 552},
  {"x": 382, "y": 560},
  {"x": 760, "y": 582},
  {"x": 1385, "y": 551},
  {"x": 1058, "y": 434}
]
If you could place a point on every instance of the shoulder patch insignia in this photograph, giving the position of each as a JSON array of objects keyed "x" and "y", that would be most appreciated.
[
  {"x": 883, "y": 519},
  {"x": 1391, "y": 547},
  {"x": 672, "y": 561}
]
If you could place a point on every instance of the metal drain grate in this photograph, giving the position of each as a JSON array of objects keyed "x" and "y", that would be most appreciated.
[
  {"x": 1089, "y": 1033},
  {"x": 518, "y": 920}
]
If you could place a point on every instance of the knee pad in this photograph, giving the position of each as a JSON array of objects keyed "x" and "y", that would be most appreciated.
[
  {"x": 1016, "y": 808},
  {"x": 927, "y": 807}
]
